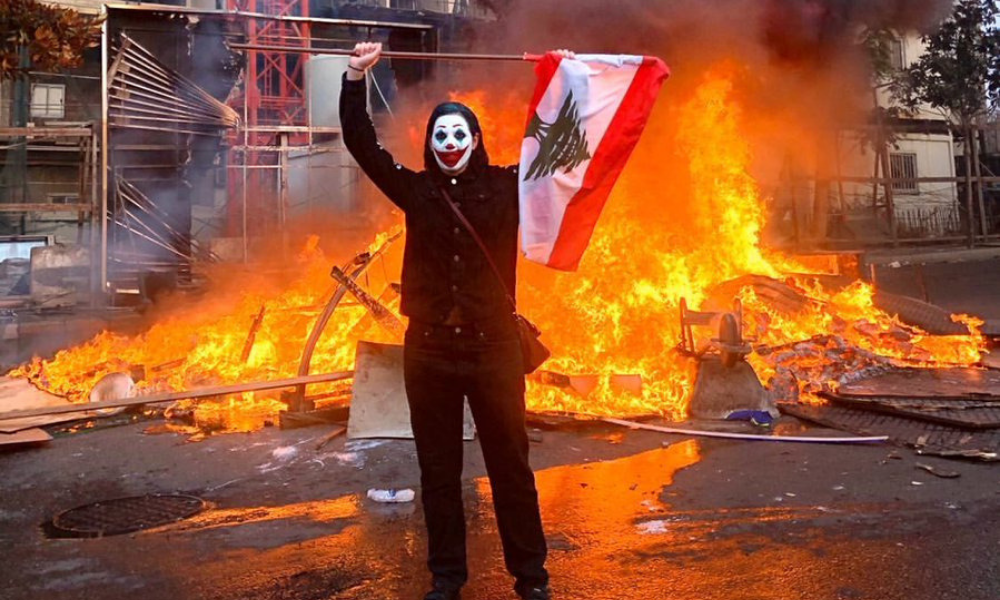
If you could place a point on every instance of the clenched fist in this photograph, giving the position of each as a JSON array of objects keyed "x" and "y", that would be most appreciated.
[{"x": 366, "y": 54}]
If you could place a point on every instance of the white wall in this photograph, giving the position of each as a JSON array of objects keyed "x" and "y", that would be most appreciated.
[
  {"x": 934, "y": 153},
  {"x": 912, "y": 48},
  {"x": 935, "y": 158},
  {"x": 84, "y": 6}
]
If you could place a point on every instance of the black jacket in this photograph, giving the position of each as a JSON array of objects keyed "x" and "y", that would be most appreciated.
[{"x": 443, "y": 268}]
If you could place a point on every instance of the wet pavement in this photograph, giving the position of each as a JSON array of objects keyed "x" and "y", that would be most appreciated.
[{"x": 625, "y": 517}]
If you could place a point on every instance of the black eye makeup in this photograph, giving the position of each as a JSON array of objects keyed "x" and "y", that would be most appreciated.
[
  {"x": 460, "y": 135},
  {"x": 440, "y": 136}
]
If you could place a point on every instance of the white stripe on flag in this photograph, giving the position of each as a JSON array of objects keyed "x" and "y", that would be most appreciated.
[
  {"x": 598, "y": 86},
  {"x": 614, "y": 60}
]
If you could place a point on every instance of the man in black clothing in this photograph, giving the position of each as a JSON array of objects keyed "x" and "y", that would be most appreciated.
[{"x": 462, "y": 339}]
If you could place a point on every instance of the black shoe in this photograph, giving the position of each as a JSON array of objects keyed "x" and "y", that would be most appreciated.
[
  {"x": 441, "y": 592},
  {"x": 538, "y": 593}
]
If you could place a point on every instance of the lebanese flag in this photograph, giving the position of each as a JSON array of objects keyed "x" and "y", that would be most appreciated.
[{"x": 585, "y": 117}]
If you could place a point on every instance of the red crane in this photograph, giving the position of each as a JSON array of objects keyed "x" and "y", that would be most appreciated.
[{"x": 273, "y": 104}]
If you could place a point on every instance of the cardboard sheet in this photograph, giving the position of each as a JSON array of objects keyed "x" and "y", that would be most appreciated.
[
  {"x": 26, "y": 436},
  {"x": 18, "y": 394}
]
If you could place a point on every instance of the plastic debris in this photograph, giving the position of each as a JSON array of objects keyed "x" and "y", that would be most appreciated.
[
  {"x": 391, "y": 495},
  {"x": 758, "y": 418},
  {"x": 285, "y": 453},
  {"x": 648, "y": 527}
]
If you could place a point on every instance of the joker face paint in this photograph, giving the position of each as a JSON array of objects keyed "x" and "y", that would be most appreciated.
[{"x": 452, "y": 142}]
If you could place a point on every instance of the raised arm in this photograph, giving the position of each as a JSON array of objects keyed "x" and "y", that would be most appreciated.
[{"x": 395, "y": 181}]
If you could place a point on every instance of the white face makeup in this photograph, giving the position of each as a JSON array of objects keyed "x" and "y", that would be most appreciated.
[{"x": 452, "y": 142}]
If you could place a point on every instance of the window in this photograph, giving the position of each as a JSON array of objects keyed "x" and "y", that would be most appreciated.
[
  {"x": 63, "y": 198},
  {"x": 903, "y": 166},
  {"x": 48, "y": 100},
  {"x": 896, "y": 54}
]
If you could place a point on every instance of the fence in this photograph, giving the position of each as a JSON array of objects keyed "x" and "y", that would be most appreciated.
[{"x": 929, "y": 222}]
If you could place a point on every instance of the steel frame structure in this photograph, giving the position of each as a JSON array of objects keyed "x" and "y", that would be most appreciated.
[{"x": 273, "y": 103}]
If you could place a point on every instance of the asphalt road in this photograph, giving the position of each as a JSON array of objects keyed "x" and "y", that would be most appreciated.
[{"x": 625, "y": 516}]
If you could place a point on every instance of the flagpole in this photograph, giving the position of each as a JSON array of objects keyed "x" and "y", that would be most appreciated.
[{"x": 392, "y": 54}]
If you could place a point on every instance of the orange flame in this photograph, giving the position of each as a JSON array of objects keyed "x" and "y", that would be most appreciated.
[{"x": 618, "y": 315}]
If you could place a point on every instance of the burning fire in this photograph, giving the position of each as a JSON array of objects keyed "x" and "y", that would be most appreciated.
[{"x": 618, "y": 315}]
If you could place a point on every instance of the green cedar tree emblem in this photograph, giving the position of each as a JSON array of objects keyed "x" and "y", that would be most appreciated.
[{"x": 562, "y": 143}]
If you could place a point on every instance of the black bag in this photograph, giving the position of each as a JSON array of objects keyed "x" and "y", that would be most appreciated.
[{"x": 533, "y": 351}]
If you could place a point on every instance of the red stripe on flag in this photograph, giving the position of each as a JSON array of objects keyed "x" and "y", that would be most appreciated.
[
  {"x": 609, "y": 159},
  {"x": 545, "y": 70}
]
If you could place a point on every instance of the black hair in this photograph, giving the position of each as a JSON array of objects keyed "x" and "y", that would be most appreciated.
[{"x": 479, "y": 158}]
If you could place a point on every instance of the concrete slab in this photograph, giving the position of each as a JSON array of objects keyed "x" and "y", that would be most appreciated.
[{"x": 378, "y": 401}]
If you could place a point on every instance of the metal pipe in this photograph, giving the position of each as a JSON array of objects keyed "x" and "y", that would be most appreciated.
[
  {"x": 161, "y": 217},
  {"x": 393, "y": 54},
  {"x": 128, "y": 82},
  {"x": 150, "y": 71},
  {"x": 749, "y": 436},
  {"x": 160, "y": 110},
  {"x": 222, "y": 390},
  {"x": 104, "y": 154},
  {"x": 158, "y": 79},
  {"x": 166, "y": 129},
  {"x": 153, "y": 87},
  {"x": 154, "y": 236},
  {"x": 126, "y": 115},
  {"x": 95, "y": 219},
  {"x": 263, "y": 16},
  {"x": 246, "y": 172},
  {"x": 182, "y": 81},
  {"x": 148, "y": 75},
  {"x": 156, "y": 97},
  {"x": 149, "y": 239}
]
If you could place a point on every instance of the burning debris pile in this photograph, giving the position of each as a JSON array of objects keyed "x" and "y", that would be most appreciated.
[{"x": 617, "y": 316}]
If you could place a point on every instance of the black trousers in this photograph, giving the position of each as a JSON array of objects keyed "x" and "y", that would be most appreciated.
[{"x": 442, "y": 365}]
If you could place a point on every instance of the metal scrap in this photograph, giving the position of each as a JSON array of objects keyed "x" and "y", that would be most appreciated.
[
  {"x": 925, "y": 437},
  {"x": 143, "y": 93},
  {"x": 942, "y": 473}
]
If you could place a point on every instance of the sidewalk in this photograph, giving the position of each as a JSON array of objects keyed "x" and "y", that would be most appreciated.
[{"x": 960, "y": 280}]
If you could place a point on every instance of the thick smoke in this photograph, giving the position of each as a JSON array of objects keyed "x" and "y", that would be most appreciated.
[{"x": 798, "y": 70}]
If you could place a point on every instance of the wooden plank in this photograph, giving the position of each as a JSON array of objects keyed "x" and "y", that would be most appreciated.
[
  {"x": 28, "y": 436},
  {"x": 929, "y": 438},
  {"x": 338, "y": 430},
  {"x": 44, "y": 207},
  {"x": 221, "y": 390},
  {"x": 958, "y": 383},
  {"x": 45, "y": 132},
  {"x": 967, "y": 414},
  {"x": 323, "y": 416}
]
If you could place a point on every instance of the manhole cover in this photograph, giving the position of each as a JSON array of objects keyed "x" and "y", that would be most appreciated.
[{"x": 125, "y": 515}]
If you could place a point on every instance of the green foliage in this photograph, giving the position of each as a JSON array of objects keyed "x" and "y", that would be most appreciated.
[
  {"x": 53, "y": 37},
  {"x": 960, "y": 71},
  {"x": 879, "y": 45}
]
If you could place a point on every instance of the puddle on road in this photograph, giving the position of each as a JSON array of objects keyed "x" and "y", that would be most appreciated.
[
  {"x": 594, "y": 498},
  {"x": 319, "y": 511},
  {"x": 605, "y": 520}
]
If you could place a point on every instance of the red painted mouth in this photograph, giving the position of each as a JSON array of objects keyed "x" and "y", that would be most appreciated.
[{"x": 451, "y": 158}]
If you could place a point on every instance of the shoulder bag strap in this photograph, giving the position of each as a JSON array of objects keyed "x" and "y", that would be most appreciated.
[{"x": 482, "y": 246}]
